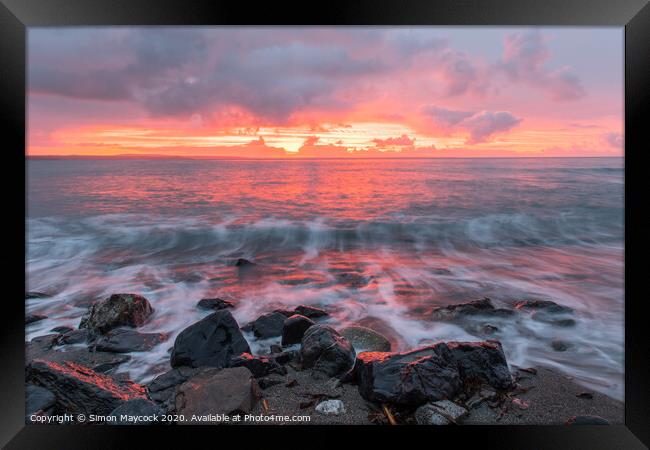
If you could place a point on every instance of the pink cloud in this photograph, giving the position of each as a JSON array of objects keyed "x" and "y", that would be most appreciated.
[
  {"x": 400, "y": 141},
  {"x": 481, "y": 126},
  {"x": 524, "y": 60},
  {"x": 614, "y": 139}
]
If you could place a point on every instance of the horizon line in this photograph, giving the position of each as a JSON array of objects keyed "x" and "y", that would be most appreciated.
[{"x": 244, "y": 158}]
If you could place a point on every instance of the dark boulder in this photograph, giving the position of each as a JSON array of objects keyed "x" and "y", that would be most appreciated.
[
  {"x": 285, "y": 357},
  {"x": 268, "y": 325},
  {"x": 294, "y": 328},
  {"x": 139, "y": 411},
  {"x": 61, "y": 329},
  {"x": 552, "y": 319},
  {"x": 242, "y": 262},
  {"x": 364, "y": 339},
  {"x": 74, "y": 337},
  {"x": 212, "y": 341},
  {"x": 543, "y": 305},
  {"x": 79, "y": 389},
  {"x": 31, "y": 318},
  {"x": 41, "y": 348},
  {"x": 259, "y": 366},
  {"x": 218, "y": 391},
  {"x": 411, "y": 378},
  {"x": 431, "y": 373},
  {"x": 163, "y": 387},
  {"x": 125, "y": 341},
  {"x": 560, "y": 346},
  {"x": 38, "y": 400},
  {"x": 480, "y": 308},
  {"x": 117, "y": 310},
  {"x": 310, "y": 312},
  {"x": 481, "y": 362},
  {"x": 214, "y": 304},
  {"x": 324, "y": 350}
]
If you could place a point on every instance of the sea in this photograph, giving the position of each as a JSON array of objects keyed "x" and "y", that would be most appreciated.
[{"x": 377, "y": 242}]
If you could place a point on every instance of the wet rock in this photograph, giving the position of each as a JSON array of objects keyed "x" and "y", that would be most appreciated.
[
  {"x": 331, "y": 407},
  {"x": 62, "y": 329},
  {"x": 41, "y": 348},
  {"x": 139, "y": 411},
  {"x": 366, "y": 340},
  {"x": 215, "y": 304},
  {"x": 117, "y": 310},
  {"x": 560, "y": 346},
  {"x": 431, "y": 373},
  {"x": 32, "y": 295},
  {"x": 275, "y": 348},
  {"x": 310, "y": 312},
  {"x": 551, "y": 319},
  {"x": 242, "y": 262},
  {"x": 212, "y": 341},
  {"x": 293, "y": 329},
  {"x": 215, "y": 391},
  {"x": 74, "y": 337},
  {"x": 38, "y": 400},
  {"x": 125, "y": 341},
  {"x": 31, "y": 318},
  {"x": 79, "y": 389},
  {"x": 285, "y": 357},
  {"x": 268, "y": 325},
  {"x": 546, "y": 306},
  {"x": 481, "y": 362},
  {"x": 410, "y": 378},
  {"x": 44, "y": 343},
  {"x": 324, "y": 350},
  {"x": 258, "y": 365},
  {"x": 163, "y": 388},
  {"x": 482, "y": 307},
  {"x": 442, "y": 412},
  {"x": 585, "y": 395},
  {"x": 587, "y": 420}
]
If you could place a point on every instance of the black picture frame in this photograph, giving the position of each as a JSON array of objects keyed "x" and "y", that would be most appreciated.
[{"x": 17, "y": 15}]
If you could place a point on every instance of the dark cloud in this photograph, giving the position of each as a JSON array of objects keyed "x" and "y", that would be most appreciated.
[
  {"x": 483, "y": 125},
  {"x": 446, "y": 117}
]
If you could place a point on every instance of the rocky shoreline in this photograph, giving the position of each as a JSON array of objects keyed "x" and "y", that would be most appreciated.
[{"x": 347, "y": 376}]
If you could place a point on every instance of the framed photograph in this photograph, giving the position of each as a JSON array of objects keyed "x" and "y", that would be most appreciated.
[{"x": 390, "y": 218}]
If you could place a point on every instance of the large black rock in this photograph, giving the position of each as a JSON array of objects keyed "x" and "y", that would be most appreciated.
[
  {"x": 125, "y": 341},
  {"x": 294, "y": 329},
  {"x": 324, "y": 350},
  {"x": 212, "y": 342},
  {"x": 79, "y": 389},
  {"x": 481, "y": 362},
  {"x": 431, "y": 373},
  {"x": 215, "y": 304},
  {"x": 163, "y": 387},
  {"x": 481, "y": 308},
  {"x": 410, "y": 378},
  {"x": 268, "y": 325},
  {"x": 115, "y": 311},
  {"x": 304, "y": 310},
  {"x": 543, "y": 305}
]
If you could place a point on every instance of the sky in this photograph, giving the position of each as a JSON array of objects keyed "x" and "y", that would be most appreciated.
[{"x": 292, "y": 92}]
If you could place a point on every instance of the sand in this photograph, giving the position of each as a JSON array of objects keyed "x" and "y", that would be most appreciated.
[{"x": 546, "y": 397}]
